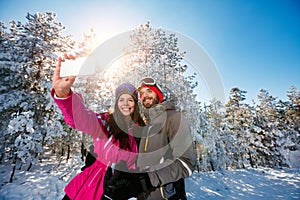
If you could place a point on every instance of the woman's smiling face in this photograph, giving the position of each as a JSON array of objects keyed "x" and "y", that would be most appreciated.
[{"x": 126, "y": 104}]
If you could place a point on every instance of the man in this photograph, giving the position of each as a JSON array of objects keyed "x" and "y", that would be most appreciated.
[{"x": 166, "y": 153}]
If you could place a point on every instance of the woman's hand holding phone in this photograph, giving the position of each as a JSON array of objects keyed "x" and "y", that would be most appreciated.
[{"x": 62, "y": 85}]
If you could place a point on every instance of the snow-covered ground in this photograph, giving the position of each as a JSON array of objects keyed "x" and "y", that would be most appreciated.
[
  {"x": 254, "y": 184},
  {"x": 47, "y": 180}
]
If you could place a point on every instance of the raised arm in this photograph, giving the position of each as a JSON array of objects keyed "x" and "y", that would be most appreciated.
[
  {"x": 62, "y": 86},
  {"x": 72, "y": 104}
]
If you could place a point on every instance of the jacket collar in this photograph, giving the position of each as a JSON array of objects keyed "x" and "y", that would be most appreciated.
[{"x": 158, "y": 109}]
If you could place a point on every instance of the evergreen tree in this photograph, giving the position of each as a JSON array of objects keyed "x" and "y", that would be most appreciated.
[
  {"x": 291, "y": 122},
  {"x": 292, "y": 113},
  {"x": 238, "y": 122},
  {"x": 214, "y": 156},
  {"x": 34, "y": 47},
  {"x": 12, "y": 94},
  {"x": 273, "y": 137}
]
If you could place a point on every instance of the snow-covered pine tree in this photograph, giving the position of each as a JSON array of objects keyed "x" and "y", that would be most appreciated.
[
  {"x": 202, "y": 141},
  {"x": 34, "y": 47},
  {"x": 213, "y": 155},
  {"x": 273, "y": 139},
  {"x": 289, "y": 124},
  {"x": 4, "y": 47},
  {"x": 216, "y": 119},
  {"x": 292, "y": 116},
  {"x": 11, "y": 89},
  {"x": 238, "y": 121}
]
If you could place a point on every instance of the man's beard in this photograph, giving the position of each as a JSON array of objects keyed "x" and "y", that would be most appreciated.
[{"x": 148, "y": 102}]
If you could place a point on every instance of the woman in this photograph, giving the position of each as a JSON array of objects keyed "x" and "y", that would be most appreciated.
[{"x": 111, "y": 132}]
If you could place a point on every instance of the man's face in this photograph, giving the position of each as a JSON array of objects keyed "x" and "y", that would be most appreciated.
[{"x": 148, "y": 97}]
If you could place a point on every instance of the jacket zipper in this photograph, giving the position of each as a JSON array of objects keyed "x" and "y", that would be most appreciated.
[
  {"x": 147, "y": 139},
  {"x": 94, "y": 177}
]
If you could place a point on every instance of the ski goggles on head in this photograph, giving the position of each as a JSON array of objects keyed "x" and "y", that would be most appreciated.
[{"x": 150, "y": 81}]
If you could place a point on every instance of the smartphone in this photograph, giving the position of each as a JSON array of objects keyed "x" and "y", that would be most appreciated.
[{"x": 82, "y": 66}]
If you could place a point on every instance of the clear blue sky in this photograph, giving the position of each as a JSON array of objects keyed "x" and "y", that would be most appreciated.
[{"x": 255, "y": 44}]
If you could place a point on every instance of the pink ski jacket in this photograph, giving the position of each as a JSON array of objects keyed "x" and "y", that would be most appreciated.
[{"x": 88, "y": 184}]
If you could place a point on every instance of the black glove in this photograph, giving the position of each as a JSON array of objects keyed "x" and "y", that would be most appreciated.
[
  {"x": 123, "y": 185},
  {"x": 114, "y": 187}
]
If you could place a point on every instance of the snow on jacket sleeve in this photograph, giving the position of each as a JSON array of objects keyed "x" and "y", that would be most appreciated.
[
  {"x": 184, "y": 156},
  {"x": 78, "y": 116}
]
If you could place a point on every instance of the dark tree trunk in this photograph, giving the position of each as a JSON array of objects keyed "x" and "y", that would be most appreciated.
[
  {"x": 68, "y": 152},
  {"x": 14, "y": 169}
]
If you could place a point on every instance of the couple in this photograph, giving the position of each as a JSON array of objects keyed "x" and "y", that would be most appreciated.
[{"x": 134, "y": 159}]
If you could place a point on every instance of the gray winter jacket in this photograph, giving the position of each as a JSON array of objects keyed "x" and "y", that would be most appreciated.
[{"x": 166, "y": 150}]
